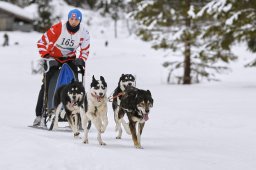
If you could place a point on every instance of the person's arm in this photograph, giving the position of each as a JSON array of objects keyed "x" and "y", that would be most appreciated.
[
  {"x": 85, "y": 45},
  {"x": 48, "y": 39}
]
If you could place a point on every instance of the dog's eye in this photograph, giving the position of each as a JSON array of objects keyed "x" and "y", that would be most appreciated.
[
  {"x": 103, "y": 87},
  {"x": 126, "y": 79},
  {"x": 142, "y": 104}
]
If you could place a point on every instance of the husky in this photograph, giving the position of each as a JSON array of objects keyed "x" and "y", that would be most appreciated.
[
  {"x": 71, "y": 97},
  {"x": 136, "y": 104},
  {"x": 97, "y": 109},
  {"x": 126, "y": 80}
]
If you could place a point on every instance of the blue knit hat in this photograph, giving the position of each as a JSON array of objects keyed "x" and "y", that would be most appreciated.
[{"x": 75, "y": 13}]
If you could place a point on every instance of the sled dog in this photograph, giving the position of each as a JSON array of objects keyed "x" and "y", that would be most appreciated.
[
  {"x": 71, "y": 98},
  {"x": 126, "y": 80},
  {"x": 97, "y": 109},
  {"x": 136, "y": 103}
]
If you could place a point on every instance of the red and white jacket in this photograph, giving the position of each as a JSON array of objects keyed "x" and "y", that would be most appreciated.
[{"x": 62, "y": 44}]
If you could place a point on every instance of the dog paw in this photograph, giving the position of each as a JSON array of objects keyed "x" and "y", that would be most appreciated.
[
  {"x": 85, "y": 141},
  {"x": 138, "y": 147},
  {"x": 102, "y": 143},
  {"x": 76, "y": 134},
  {"x": 77, "y": 137},
  {"x": 118, "y": 137},
  {"x": 55, "y": 127}
]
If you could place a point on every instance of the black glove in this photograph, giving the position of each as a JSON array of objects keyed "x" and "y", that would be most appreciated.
[
  {"x": 47, "y": 56},
  {"x": 79, "y": 62},
  {"x": 54, "y": 63}
]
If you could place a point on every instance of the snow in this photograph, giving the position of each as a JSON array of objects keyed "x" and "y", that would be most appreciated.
[
  {"x": 227, "y": 8},
  {"x": 191, "y": 12},
  {"x": 218, "y": 6},
  {"x": 232, "y": 18},
  {"x": 208, "y": 126},
  {"x": 16, "y": 10}
]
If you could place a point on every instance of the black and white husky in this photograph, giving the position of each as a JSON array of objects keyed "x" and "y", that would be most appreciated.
[
  {"x": 126, "y": 80},
  {"x": 71, "y": 98},
  {"x": 97, "y": 109}
]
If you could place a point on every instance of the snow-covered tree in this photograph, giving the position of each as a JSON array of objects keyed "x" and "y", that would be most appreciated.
[
  {"x": 91, "y": 3},
  {"x": 21, "y": 3},
  {"x": 76, "y": 3},
  {"x": 112, "y": 8},
  {"x": 235, "y": 21},
  {"x": 173, "y": 25},
  {"x": 11, "y": 1},
  {"x": 44, "y": 21}
]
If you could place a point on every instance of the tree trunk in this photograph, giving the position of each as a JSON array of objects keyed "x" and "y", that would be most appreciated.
[
  {"x": 187, "y": 63},
  {"x": 187, "y": 52},
  {"x": 115, "y": 28},
  {"x": 128, "y": 27}
]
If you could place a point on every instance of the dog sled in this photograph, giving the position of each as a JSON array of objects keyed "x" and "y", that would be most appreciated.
[{"x": 63, "y": 75}]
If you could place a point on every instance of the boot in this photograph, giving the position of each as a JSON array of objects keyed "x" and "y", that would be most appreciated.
[
  {"x": 42, "y": 123},
  {"x": 37, "y": 121}
]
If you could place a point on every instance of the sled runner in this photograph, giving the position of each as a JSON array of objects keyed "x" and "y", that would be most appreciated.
[{"x": 61, "y": 129}]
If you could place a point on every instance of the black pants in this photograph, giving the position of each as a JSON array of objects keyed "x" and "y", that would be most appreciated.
[{"x": 48, "y": 76}]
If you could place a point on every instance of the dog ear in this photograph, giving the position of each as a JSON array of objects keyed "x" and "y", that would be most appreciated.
[
  {"x": 93, "y": 81},
  {"x": 93, "y": 78},
  {"x": 152, "y": 102},
  {"x": 103, "y": 81},
  {"x": 150, "y": 97},
  {"x": 149, "y": 92},
  {"x": 121, "y": 78},
  {"x": 134, "y": 76},
  {"x": 102, "y": 78}
]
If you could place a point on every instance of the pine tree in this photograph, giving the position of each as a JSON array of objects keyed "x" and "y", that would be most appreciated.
[
  {"x": 91, "y": 3},
  {"x": 21, "y": 3},
  {"x": 11, "y": 1},
  {"x": 76, "y": 3},
  {"x": 44, "y": 21},
  {"x": 173, "y": 25},
  {"x": 234, "y": 22}
]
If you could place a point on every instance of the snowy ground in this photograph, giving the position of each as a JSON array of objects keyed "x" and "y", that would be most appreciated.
[{"x": 210, "y": 126}]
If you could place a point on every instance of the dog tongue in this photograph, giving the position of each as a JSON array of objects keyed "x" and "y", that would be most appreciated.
[
  {"x": 72, "y": 103},
  {"x": 145, "y": 117},
  {"x": 98, "y": 99}
]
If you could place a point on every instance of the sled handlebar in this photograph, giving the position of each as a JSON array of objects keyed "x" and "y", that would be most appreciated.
[{"x": 50, "y": 62}]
